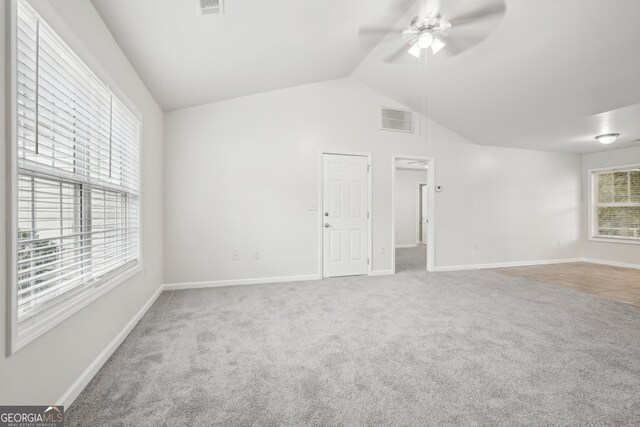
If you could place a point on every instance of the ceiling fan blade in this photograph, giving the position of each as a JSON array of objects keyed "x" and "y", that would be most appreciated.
[
  {"x": 396, "y": 54},
  {"x": 403, "y": 5},
  {"x": 458, "y": 42},
  {"x": 410, "y": 32},
  {"x": 430, "y": 8},
  {"x": 470, "y": 31},
  {"x": 371, "y": 36},
  {"x": 490, "y": 11},
  {"x": 453, "y": 47},
  {"x": 410, "y": 39},
  {"x": 379, "y": 31}
]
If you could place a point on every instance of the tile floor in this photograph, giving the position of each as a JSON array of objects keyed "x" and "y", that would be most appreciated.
[{"x": 617, "y": 283}]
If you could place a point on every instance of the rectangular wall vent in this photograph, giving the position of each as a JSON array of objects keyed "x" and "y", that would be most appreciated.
[
  {"x": 397, "y": 120},
  {"x": 207, "y": 7}
]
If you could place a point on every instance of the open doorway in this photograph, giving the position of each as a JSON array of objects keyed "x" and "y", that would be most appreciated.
[
  {"x": 422, "y": 216},
  {"x": 413, "y": 214}
]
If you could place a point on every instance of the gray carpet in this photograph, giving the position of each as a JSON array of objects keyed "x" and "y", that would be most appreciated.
[
  {"x": 461, "y": 348},
  {"x": 411, "y": 259}
]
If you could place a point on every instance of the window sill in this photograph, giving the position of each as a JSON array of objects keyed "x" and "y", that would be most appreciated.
[
  {"x": 30, "y": 329},
  {"x": 614, "y": 240}
]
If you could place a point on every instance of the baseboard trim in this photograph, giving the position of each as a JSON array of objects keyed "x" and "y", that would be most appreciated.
[
  {"x": 237, "y": 282},
  {"x": 381, "y": 273},
  {"x": 506, "y": 264},
  {"x": 611, "y": 263},
  {"x": 76, "y": 388},
  {"x": 410, "y": 245}
]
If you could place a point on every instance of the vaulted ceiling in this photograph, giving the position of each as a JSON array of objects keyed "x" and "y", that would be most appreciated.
[
  {"x": 187, "y": 59},
  {"x": 551, "y": 76}
]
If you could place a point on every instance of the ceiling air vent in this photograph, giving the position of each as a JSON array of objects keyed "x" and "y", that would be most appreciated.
[
  {"x": 207, "y": 7},
  {"x": 397, "y": 120}
]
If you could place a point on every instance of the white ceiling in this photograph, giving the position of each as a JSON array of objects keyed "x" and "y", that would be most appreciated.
[
  {"x": 188, "y": 59},
  {"x": 552, "y": 76}
]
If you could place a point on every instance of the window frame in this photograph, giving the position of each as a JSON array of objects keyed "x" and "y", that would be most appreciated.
[
  {"x": 20, "y": 334},
  {"x": 592, "y": 236}
]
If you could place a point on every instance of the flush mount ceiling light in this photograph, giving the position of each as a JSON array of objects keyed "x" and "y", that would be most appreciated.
[{"x": 608, "y": 138}]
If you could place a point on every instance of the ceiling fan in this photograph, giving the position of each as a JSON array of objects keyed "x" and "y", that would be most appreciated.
[{"x": 450, "y": 27}]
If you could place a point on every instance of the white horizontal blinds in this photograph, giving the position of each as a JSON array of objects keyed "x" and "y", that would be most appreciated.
[
  {"x": 26, "y": 77},
  {"x": 617, "y": 203},
  {"x": 123, "y": 157},
  {"x": 114, "y": 231},
  {"x": 78, "y": 171},
  {"x": 49, "y": 253}
]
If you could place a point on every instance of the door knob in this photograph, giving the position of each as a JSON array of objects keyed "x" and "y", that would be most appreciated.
[
  {"x": 326, "y": 225},
  {"x": 326, "y": 214}
]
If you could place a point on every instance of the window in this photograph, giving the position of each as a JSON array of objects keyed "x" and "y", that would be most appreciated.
[
  {"x": 615, "y": 195},
  {"x": 77, "y": 166}
]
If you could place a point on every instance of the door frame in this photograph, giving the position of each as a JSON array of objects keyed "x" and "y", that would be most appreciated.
[
  {"x": 320, "y": 220},
  {"x": 419, "y": 186},
  {"x": 431, "y": 209}
]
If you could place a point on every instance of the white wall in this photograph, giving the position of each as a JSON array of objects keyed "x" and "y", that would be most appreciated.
[
  {"x": 623, "y": 253},
  {"x": 240, "y": 175},
  {"x": 43, "y": 370},
  {"x": 406, "y": 205}
]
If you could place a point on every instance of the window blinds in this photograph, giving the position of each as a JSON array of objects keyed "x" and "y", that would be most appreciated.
[
  {"x": 617, "y": 203},
  {"x": 78, "y": 166}
]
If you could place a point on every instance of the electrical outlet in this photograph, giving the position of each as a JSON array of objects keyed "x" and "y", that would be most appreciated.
[
  {"x": 235, "y": 256},
  {"x": 476, "y": 246},
  {"x": 256, "y": 255}
]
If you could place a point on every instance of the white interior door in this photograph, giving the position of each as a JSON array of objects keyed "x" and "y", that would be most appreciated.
[
  {"x": 424, "y": 197},
  {"x": 345, "y": 237}
]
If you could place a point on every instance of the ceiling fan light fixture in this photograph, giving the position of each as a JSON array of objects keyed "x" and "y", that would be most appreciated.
[
  {"x": 415, "y": 50},
  {"x": 437, "y": 45},
  {"x": 608, "y": 138},
  {"x": 424, "y": 40}
]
